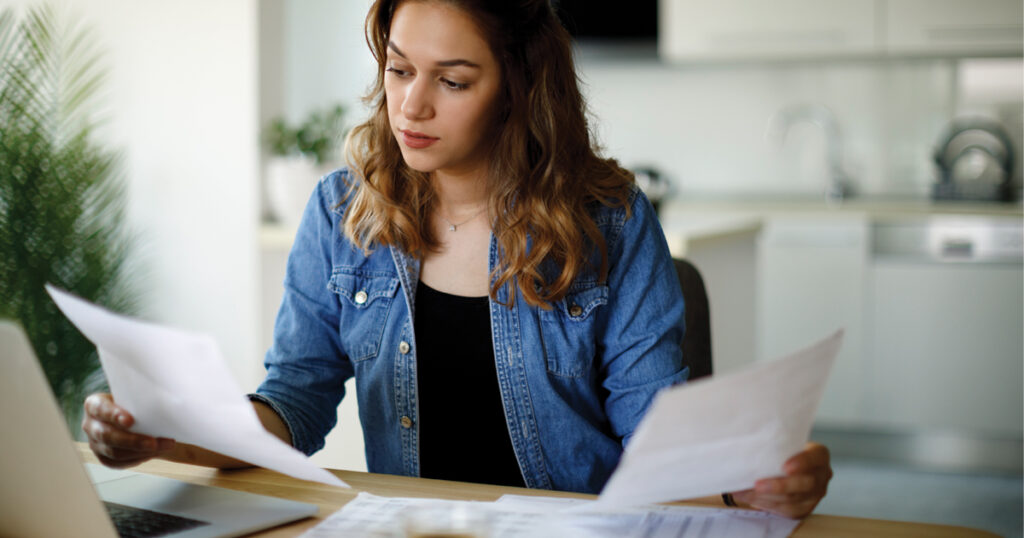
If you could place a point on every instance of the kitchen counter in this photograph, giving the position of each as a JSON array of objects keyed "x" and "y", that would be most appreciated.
[
  {"x": 812, "y": 205},
  {"x": 684, "y": 230}
]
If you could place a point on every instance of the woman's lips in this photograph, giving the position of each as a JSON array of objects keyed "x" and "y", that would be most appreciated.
[{"x": 417, "y": 140}]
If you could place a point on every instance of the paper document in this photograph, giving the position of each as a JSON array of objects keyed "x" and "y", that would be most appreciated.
[
  {"x": 177, "y": 385},
  {"x": 516, "y": 516},
  {"x": 724, "y": 433}
]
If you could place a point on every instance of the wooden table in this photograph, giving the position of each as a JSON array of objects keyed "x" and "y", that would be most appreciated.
[{"x": 330, "y": 499}]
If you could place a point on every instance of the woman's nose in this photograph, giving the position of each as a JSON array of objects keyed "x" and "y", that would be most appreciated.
[{"x": 416, "y": 105}]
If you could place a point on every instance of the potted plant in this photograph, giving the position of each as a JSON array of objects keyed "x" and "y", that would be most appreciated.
[
  {"x": 300, "y": 156},
  {"x": 62, "y": 198}
]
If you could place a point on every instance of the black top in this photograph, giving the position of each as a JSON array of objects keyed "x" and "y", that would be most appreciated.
[{"x": 462, "y": 429}]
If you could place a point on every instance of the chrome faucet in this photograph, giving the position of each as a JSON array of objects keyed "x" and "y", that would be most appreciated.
[{"x": 838, "y": 186}]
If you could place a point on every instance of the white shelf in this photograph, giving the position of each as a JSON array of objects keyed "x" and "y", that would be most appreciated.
[{"x": 274, "y": 236}]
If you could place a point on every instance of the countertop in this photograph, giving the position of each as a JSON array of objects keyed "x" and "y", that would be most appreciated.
[
  {"x": 692, "y": 221},
  {"x": 872, "y": 206}
]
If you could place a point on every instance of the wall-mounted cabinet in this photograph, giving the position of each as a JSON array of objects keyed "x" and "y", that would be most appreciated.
[
  {"x": 754, "y": 29},
  {"x": 954, "y": 27},
  {"x": 695, "y": 31}
]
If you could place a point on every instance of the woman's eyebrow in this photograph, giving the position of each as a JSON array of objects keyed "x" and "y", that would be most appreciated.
[{"x": 443, "y": 63}]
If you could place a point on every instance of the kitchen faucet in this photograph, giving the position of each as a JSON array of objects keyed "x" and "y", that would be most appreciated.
[{"x": 838, "y": 186}]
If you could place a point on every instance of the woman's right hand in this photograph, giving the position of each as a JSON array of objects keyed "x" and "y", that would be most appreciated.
[{"x": 106, "y": 425}]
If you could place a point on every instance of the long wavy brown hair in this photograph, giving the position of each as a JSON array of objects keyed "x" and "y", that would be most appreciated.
[{"x": 544, "y": 169}]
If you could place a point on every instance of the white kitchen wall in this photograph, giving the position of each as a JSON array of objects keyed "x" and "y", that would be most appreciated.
[
  {"x": 705, "y": 126},
  {"x": 326, "y": 56},
  {"x": 180, "y": 105}
]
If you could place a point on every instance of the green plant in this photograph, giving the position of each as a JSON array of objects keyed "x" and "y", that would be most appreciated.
[
  {"x": 319, "y": 136},
  {"x": 61, "y": 196}
]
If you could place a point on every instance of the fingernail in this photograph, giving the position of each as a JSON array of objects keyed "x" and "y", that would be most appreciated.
[{"x": 122, "y": 419}]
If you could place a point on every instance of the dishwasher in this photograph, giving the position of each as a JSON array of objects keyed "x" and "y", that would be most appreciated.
[{"x": 946, "y": 350}]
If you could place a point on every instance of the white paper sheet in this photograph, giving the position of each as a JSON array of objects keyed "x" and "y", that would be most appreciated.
[
  {"x": 724, "y": 433},
  {"x": 515, "y": 516},
  {"x": 176, "y": 384}
]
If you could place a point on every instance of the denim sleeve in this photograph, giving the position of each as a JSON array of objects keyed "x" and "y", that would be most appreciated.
[
  {"x": 306, "y": 366},
  {"x": 644, "y": 329}
]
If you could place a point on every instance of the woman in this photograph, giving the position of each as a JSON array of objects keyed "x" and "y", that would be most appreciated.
[{"x": 503, "y": 296}]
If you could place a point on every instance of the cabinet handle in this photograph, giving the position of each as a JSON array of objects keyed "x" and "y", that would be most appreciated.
[{"x": 957, "y": 248}]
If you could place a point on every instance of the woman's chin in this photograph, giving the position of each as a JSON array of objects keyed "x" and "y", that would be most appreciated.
[{"x": 418, "y": 163}]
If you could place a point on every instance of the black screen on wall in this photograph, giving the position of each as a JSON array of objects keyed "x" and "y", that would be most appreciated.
[{"x": 590, "y": 19}]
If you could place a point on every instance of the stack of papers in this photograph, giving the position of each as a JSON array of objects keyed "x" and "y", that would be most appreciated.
[{"x": 514, "y": 516}]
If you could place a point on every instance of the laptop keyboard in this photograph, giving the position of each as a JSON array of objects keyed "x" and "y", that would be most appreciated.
[{"x": 134, "y": 522}]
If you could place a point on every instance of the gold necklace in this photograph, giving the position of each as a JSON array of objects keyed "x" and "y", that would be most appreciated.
[{"x": 453, "y": 226}]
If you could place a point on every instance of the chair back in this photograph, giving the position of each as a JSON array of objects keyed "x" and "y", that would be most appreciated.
[{"x": 697, "y": 341}]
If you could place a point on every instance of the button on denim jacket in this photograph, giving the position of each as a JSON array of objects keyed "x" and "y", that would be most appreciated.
[{"x": 575, "y": 379}]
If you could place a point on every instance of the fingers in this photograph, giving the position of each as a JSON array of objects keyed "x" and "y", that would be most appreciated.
[
  {"x": 115, "y": 437},
  {"x": 788, "y": 485},
  {"x": 795, "y": 495},
  {"x": 102, "y": 407},
  {"x": 788, "y": 505},
  {"x": 814, "y": 455},
  {"x": 106, "y": 426},
  {"x": 790, "y": 509}
]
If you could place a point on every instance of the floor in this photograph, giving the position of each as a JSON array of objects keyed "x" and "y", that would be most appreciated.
[{"x": 862, "y": 488}]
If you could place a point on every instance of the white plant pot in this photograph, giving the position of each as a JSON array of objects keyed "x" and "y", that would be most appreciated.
[{"x": 290, "y": 182}]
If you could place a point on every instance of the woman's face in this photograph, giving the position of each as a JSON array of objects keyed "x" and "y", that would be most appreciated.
[{"x": 442, "y": 84}]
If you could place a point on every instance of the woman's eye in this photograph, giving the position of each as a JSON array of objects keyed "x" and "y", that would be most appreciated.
[
  {"x": 396, "y": 71},
  {"x": 452, "y": 85}
]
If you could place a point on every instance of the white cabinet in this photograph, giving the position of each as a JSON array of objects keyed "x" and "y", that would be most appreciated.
[
  {"x": 696, "y": 31},
  {"x": 946, "y": 352},
  {"x": 954, "y": 27},
  {"x": 812, "y": 281},
  {"x": 750, "y": 29}
]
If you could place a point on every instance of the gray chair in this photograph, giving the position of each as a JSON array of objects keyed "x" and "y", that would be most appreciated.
[{"x": 697, "y": 341}]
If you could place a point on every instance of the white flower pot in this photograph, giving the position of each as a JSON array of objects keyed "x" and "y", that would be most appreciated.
[{"x": 290, "y": 182}]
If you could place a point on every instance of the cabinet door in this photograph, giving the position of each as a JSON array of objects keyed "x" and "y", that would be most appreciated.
[
  {"x": 811, "y": 283},
  {"x": 954, "y": 27},
  {"x": 692, "y": 30},
  {"x": 946, "y": 353}
]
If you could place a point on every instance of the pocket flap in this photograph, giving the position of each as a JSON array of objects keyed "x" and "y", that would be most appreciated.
[
  {"x": 361, "y": 288},
  {"x": 578, "y": 305}
]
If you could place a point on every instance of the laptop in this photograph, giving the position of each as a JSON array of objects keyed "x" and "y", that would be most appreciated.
[{"x": 45, "y": 490}]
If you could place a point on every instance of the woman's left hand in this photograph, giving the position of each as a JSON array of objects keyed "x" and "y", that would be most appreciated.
[{"x": 797, "y": 492}]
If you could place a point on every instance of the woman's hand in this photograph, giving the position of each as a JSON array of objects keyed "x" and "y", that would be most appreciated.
[
  {"x": 797, "y": 492},
  {"x": 106, "y": 425}
]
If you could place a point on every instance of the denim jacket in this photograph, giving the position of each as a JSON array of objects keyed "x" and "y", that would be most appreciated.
[{"x": 575, "y": 379}]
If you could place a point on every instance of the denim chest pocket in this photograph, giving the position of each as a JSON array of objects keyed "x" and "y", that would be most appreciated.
[
  {"x": 366, "y": 299},
  {"x": 570, "y": 329}
]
